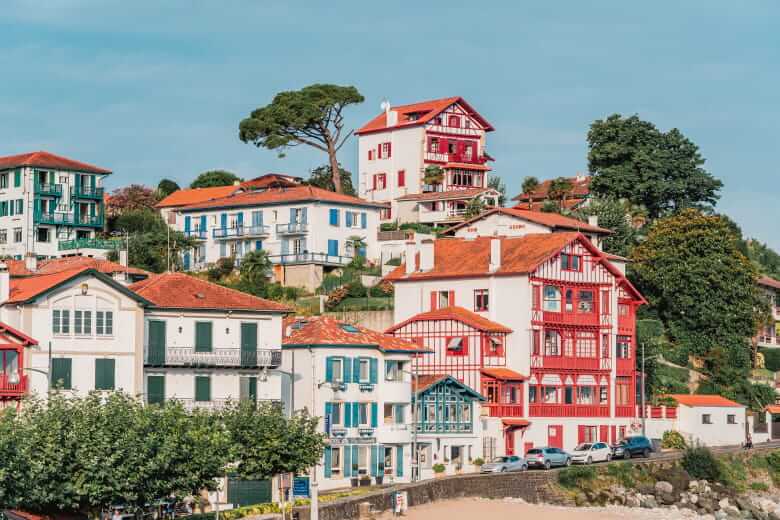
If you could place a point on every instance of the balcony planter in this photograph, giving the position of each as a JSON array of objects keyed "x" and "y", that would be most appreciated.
[
  {"x": 338, "y": 432},
  {"x": 365, "y": 432},
  {"x": 379, "y": 480},
  {"x": 366, "y": 387},
  {"x": 365, "y": 481},
  {"x": 438, "y": 470}
]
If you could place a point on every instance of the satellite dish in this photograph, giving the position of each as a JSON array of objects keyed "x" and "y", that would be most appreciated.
[{"x": 385, "y": 105}]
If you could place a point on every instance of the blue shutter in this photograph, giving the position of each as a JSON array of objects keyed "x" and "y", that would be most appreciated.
[
  {"x": 258, "y": 245},
  {"x": 374, "y": 460},
  {"x": 328, "y": 411},
  {"x": 329, "y": 369},
  {"x": 363, "y": 220},
  {"x": 187, "y": 224},
  {"x": 240, "y": 220},
  {"x": 373, "y": 371},
  {"x": 303, "y": 216},
  {"x": 347, "y": 452},
  {"x": 203, "y": 223},
  {"x": 348, "y": 218},
  {"x": 223, "y": 220},
  {"x": 327, "y": 462},
  {"x": 355, "y": 458},
  {"x": 347, "y": 369},
  {"x": 356, "y": 370},
  {"x": 333, "y": 247},
  {"x": 399, "y": 461},
  {"x": 374, "y": 415},
  {"x": 292, "y": 215},
  {"x": 285, "y": 246},
  {"x": 355, "y": 414},
  {"x": 334, "y": 217},
  {"x": 222, "y": 249},
  {"x": 347, "y": 415},
  {"x": 361, "y": 252},
  {"x": 399, "y": 414},
  {"x": 186, "y": 261}
]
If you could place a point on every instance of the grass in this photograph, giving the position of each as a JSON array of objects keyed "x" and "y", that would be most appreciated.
[
  {"x": 576, "y": 476},
  {"x": 623, "y": 472},
  {"x": 373, "y": 303},
  {"x": 758, "y": 486},
  {"x": 308, "y": 305}
]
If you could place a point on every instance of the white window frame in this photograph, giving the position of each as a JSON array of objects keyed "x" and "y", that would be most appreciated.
[
  {"x": 336, "y": 405},
  {"x": 389, "y": 467},
  {"x": 338, "y": 375},
  {"x": 361, "y": 407},
  {"x": 393, "y": 371},
  {"x": 364, "y": 362},
  {"x": 364, "y": 460},
  {"x": 335, "y": 459}
]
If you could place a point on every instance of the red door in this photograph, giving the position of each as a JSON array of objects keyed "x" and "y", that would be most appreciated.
[
  {"x": 527, "y": 446},
  {"x": 509, "y": 442},
  {"x": 555, "y": 436},
  {"x": 613, "y": 437},
  {"x": 604, "y": 433}
]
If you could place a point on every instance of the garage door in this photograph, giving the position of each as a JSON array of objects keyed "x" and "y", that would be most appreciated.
[{"x": 248, "y": 492}]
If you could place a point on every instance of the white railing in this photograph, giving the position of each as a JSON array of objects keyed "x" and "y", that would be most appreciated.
[{"x": 231, "y": 357}]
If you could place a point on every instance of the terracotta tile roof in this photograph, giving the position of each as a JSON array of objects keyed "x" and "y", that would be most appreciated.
[
  {"x": 552, "y": 220},
  {"x": 324, "y": 330},
  {"x": 703, "y": 400},
  {"x": 425, "y": 111},
  {"x": 766, "y": 281},
  {"x": 773, "y": 408},
  {"x": 580, "y": 189},
  {"x": 457, "y": 314},
  {"x": 182, "y": 291},
  {"x": 43, "y": 159},
  {"x": 195, "y": 196},
  {"x": 503, "y": 374},
  {"x": 468, "y": 193},
  {"x": 425, "y": 381},
  {"x": 271, "y": 180},
  {"x": 539, "y": 206},
  {"x": 18, "y": 268},
  {"x": 26, "y": 288},
  {"x": 280, "y": 196}
]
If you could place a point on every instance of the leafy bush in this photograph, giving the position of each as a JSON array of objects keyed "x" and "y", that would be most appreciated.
[
  {"x": 771, "y": 358},
  {"x": 674, "y": 440},
  {"x": 439, "y": 468},
  {"x": 700, "y": 463},
  {"x": 356, "y": 290},
  {"x": 758, "y": 486},
  {"x": 221, "y": 269},
  {"x": 575, "y": 476},
  {"x": 478, "y": 461},
  {"x": 773, "y": 465},
  {"x": 623, "y": 472}
]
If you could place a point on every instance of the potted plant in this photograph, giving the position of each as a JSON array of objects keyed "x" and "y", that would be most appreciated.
[
  {"x": 365, "y": 480},
  {"x": 478, "y": 462},
  {"x": 353, "y": 481},
  {"x": 438, "y": 470}
]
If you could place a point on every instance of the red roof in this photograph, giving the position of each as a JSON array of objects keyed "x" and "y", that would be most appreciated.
[
  {"x": 424, "y": 111},
  {"x": 324, "y": 330},
  {"x": 467, "y": 166},
  {"x": 425, "y": 381},
  {"x": 703, "y": 400},
  {"x": 278, "y": 196},
  {"x": 769, "y": 282},
  {"x": 504, "y": 374},
  {"x": 580, "y": 189},
  {"x": 457, "y": 314},
  {"x": 539, "y": 205},
  {"x": 43, "y": 159},
  {"x": 18, "y": 268},
  {"x": 6, "y": 331},
  {"x": 195, "y": 196},
  {"x": 468, "y": 193},
  {"x": 182, "y": 291},
  {"x": 773, "y": 408},
  {"x": 552, "y": 220},
  {"x": 271, "y": 180},
  {"x": 27, "y": 288}
]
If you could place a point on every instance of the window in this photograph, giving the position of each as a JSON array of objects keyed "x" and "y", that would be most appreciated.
[
  {"x": 480, "y": 300},
  {"x": 452, "y": 146},
  {"x": 104, "y": 374},
  {"x": 706, "y": 418},
  {"x": 494, "y": 346},
  {"x": 552, "y": 341},
  {"x": 623, "y": 391},
  {"x": 82, "y": 322},
  {"x": 17, "y": 235},
  {"x": 202, "y": 388},
  {"x": 453, "y": 121},
  {"x": 552, "y": 299},
  {"x": 352, "y": 219},
  {"x": 104, "y": 323},
  {"x": 60, "y": 321},
  {"x": 385, "y": 151},
  {"x": 247, "y": 389},
  {"x": 731, "y": 419},
  {"x": 393, "y": 371},
  {"x": 401, "y": 178},
  {"x": 433, "y": 146},
  {"x": 334, "y": 217},
  {"x": 585, "y": 301},
  {"x": 363, "y": 414},
  {"x": 380, "y": 181},
  {"x": 568, "y": 394},
  {"x": 457, "y": 346},
  {"x": 443, "y": 299},
  {"x": 623, "y": 347},
  {"x": 388, "y": 460},
  {"x": 622, "y": 309},
  {"x": 362, "y": 461},
  {"x": 3, "y": 236},
  {"x": 586, "y": 344},
  {"x": 571, "y": 262},
  {"x": 364, "y": 376},
  {"x": 203, "y": 336},
  {"x": 532, "y": 394},
  {"x": 603, "y": 395},
  {"x": 17, "y": 178},
  {"x": 19, "y": 206},
  {"x": 550, "y": 394},
  {"x": 3, "y": 180},
  {"x": 61, "y": 369},
  {"x": 584, "y": 395},
  {"x": 43, "y": 235},
  {"x": 337, "y": 365}
]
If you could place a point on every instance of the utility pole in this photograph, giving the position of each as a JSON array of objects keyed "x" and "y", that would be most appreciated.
[{"x": 644, "y": 411}]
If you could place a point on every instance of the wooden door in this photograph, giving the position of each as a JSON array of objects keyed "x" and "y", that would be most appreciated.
[
  {"x": 156, "y": 342},
  {"x": 509, "y": 442},
  {"x": 555, "y": 436}
]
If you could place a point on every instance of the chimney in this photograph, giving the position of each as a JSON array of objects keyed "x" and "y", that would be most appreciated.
[
  {"x": 411, "y": 252},
  {"x": 392, "y": 118},
  {"x": 495, "y": 255},
  {"x": 5, "y": 283},
  {"x": 123, "y": 258},
  {"x": 593, "y": 220},
  {"x": 426, "y": 255},
  {"x": 31, "y": 262}
]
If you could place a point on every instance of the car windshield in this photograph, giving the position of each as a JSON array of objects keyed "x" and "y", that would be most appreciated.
[
  {"x": 533, "y": 451},
  {"x": 583, "y": 447},
  {"x": 499, "y": 460}
]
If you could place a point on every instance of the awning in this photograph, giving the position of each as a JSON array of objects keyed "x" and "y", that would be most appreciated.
[
  {"x": 511, "y": 423},
  {"x": 503, "y": 374},
  {"x": 467, "y": 166},
  {"x": 773, "y": 408}
]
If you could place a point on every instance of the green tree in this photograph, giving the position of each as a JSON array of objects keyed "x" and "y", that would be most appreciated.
[
  {"x": 495, "y": 182},
  {"x": 433, "y": 175},
  {"x": 529, "y": 186},
  {"x": 256, "y": 267},
  {"x": 130, "y": 198},
  {"x": 214, "y": 178},
  {"x": 764, "y": 257},
  {"x": 166, "y": 187},
  {"x": 138, "y": 221},
  {"x": 702, "y": 288},
  {"x": 312, "y": 116},
  {"x": 612, "y": 215},
  {"x": 322, "y": 178},
  {"x": 559, "y": 189},
  {"x": 631, "y": 159},
  {"x": 474, "y": 207},
  {"x": 151, "y": 241}
]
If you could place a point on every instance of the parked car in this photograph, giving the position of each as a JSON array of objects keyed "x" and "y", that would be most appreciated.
[
  {"x": 547, "y": 457},
  {"x": 505, "y": 463},
  {"x": 631, "y": 447},
  {"x": 590, "y": 452}
]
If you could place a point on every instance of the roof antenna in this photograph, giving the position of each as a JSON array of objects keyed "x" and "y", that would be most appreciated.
[{"x": 385, "y": 105}]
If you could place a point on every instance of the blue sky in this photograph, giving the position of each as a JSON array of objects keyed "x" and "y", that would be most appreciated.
[{"x": 157, "y": 89}]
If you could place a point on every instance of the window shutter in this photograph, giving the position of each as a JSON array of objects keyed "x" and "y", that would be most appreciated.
[
  {"x": 348, "y": 215},
  {"x": 203, "y": 336},
  {"x": 155, "y": 389},
  {"x": 329, "y": 369},
  {"x": 347, "y": 364},
  {"x": 363, "y": 220},
  {"x": 346, "y": 455},
  {"x": 285, "y": 246},
  {"x": 223, "y": 220},
  {"x": 443, "y": 143},
  {"x": 370, "y": 155},
  {"x": 374, "y": 461},
  {"x": 399, "y": 414},
  {"x": 379, "y": 151},
  {"x": 203, "y": 223},
  {"x": 202, "y": 388},
  {"x": 327, "y": 467},
  {"x": 347, "y": 415},
  {"x": 61, "y": 369},
  {"x": 186, "y": 261},
  {"x": 104, "y": 374},
  {"x": 451, "y": 298},
  {"x": 399, "y": 461},
  {"x": 389, "y": 150},
  {"x": 356, "y": 370},
  {"x": 328, "y": 411},
  {"x": 334, "y": 217},
  {"x": 433, "y": 300},
  {"x": 304, "y": 215},
  {"x": 373, "y": 371},
  {"x": 580, "y": 433},
  {"x": 401, "y": 178},
  {"x": 355, "y": 458},
  {"x": 355, "y": 414},
  {"x": 333, "y": 247},
  {"x": 374, "y": 415},
  {"x": 187, "y": 224},
  {"x": 373, "y": 179}
]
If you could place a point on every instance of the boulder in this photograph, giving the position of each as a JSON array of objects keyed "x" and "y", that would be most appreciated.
[
  {"x": 720, "y": 515},
  {"x": 676, "y": 476},
  {"x": 664, "y": 487},
  {"x": 693, "y": 498},
  {"x": 667, "y": 498},
  {"x": 632, "y": 501},
  {"x": 648, "y": 502},
  {"x": 707, "y": 504},
  {"x": 580, "y": 500}
]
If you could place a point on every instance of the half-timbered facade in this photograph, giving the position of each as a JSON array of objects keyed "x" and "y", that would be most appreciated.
[
  {"x": 14, "y": 346},
  {"x": 769, "y": 332},
  {"x": 566, "y": 369},
  {"x": 397, "y": 147}
]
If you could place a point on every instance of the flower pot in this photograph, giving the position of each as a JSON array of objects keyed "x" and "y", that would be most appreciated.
[
  {"x": 439, "y": 475},
  {"x": 365, "y": 482},
  {"x": 354, "y": 482},
  {"x": 379, "y": 480}
]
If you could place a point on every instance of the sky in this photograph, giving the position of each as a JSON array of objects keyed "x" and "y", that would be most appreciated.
[{"x": 155, "y": 89}]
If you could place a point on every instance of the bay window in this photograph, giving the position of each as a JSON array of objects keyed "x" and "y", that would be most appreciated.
[
  {"x": 585, "y": 301},
  {"x": 552, "y": 339},
  {"x": 552, "y": 299},
  {"x": 586, "y": 344},
  {"x": 623, "y": 348},
  {"x": 584, "y": 395},
  {"x": 550, "y": 394}
]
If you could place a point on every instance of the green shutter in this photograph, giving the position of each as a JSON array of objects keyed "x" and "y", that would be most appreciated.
[
  {"x": 329, "y": 369},
  {"x": 355, "y": 370},
  {"x": 374, "y": 415},
  {"x": 104, "y": 374},
  {"x": 348, "y": 415},
  {"x": 327, "y": 462},
  {"x": 374, "y": 460},
  {"x": 156, "y": 342},
  {"x": 60, "y": 373},
  {"x": 249, "y": 344},
  {"x": 399, "y": 461},
  {"x": 373, "y": 371},
  {"x": 203, "y": 336},
  {"x": 202, "y": 388},
  {"x": 17, "y": 178},
  {"x": 347, "y": 364},
  {"x": 155, "y": 389},
  {"x": 347, "y": 456},
  {"x": 399, "y": 414}
]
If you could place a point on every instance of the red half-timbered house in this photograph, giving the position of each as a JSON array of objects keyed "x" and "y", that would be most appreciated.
[{"x": 13, "y": 380}]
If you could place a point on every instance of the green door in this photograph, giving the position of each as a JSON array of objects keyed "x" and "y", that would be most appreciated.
[
  {"x": 155, "y": 389},
  {"x": 248, "y": 492},
  {"x": 156, "y": 343},
  {"x": 249, "y": 344}
]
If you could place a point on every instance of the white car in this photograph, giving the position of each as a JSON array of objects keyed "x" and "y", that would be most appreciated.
[{"x": 587, "y": 453}]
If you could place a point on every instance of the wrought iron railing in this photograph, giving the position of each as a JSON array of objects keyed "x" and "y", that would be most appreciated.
[
  {"x": 53, "y": 190},
  {"x": 197, "y": 233},
  {"x": 89, "y": 243},
  {"x": 293, "y": 228},
  {"x": 308, "y": 258},
  {"x": 217, "y": 357},
  {"x": 190, "y": 403},
  {"x": 240, "y": 231},
  {"x": 87, "y": 192}
]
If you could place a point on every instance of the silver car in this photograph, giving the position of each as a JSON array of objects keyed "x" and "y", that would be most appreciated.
[{"x": 504, "y": 464}]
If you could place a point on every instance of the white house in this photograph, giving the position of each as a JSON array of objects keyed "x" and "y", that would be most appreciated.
[
  {"x": 50, "y": 205},
  {"x": 396, "y": 147},
  {"x": 769, "y": 334},
  {"x": 359, "y": 382},
  {"x": 710, "y": 420}
]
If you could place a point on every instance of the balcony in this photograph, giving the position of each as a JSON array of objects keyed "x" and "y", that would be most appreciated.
[
  {"x": 571, "y": 363},
  {"x": 197, "y": 234},
  {"x": 190, "y": 404},
  {"x": 87, "y": 192},
  {"x": 296, "y": 228},
  {"x": 502, "y": 410},
  {"x": 590, "y": 319},
  {"x": 445, "y": 427},
  {"x": 658, "y": 412},
  {"x": 568, "y": 410},
  {"x": 625, "y": 365},
  {"x": 49, "y": 190},
  {"x": 89, "y": 243},
  {"x": 89, "y": 220},
  {"x": 12, "y": 390},
  {"x": 54, "y": 218},
  {"x": 218, "y": 357},
  {"x": 455, "y": 158},
  {"x": 243, "y": 232},
  {"x": 625, "y": 410},
  {"x": 310, "y": 258}
]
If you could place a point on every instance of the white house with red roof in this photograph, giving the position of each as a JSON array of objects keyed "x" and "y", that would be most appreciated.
[
  {"x": 50, "y": 205},
  {"x": 577, "y": 197},
  {"x": 15, "y": 349},
  {"x": 710, "y": 420},
  {"x": 396, "y": 147},
  {"x": 360, "y": 383},
  {"x": 542, "y": 325}
]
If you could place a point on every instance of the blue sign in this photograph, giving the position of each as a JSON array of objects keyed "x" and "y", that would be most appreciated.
[{"x": 301, "y": 487}]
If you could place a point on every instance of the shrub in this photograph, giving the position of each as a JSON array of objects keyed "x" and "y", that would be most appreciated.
[
  {"x": 623, "y": 472},
  {"x": 575, "y": 476},
  {"x": 674, "y": 440},
  {"x": 773, "y": 465},
  {"x": 758, "y": 486},
  {"x": 439, "y": 468},
  {"x": 478, "y": 461},
  {"x": 356, "y": 290},
  {"x": 700, "y": 463}
]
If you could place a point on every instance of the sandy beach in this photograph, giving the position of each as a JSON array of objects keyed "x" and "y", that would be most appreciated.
[{"x": 470, "y": 508}]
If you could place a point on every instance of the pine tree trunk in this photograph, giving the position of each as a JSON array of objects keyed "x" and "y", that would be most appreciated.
[{"x": 335, "y": 173}]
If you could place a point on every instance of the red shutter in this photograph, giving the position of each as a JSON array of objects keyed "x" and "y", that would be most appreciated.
[
  {"x": 379, "y": 151},
  {"x": 401, "y": 178},
  {"x": 580, "y": 434},
  {"x": 604, "y": 433},
  {"x": 389, "y": 150},
  {"x": 451, "y": 298},
  {"x": 433, "y": 300},
  {"x": 613, "y": 438},
  {"x": 430, "y": 144},
  {"x": 374, "y": 181},
  {"x": 537, "y": 297},
  {"x": 443, "y": 143},
  {"x": 370, "y": 154}
]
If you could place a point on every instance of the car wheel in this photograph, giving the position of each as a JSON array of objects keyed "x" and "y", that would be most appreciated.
[
  {"x": 547, "y": 464},
  {"x": 568, "y": 462},
  {"x": 645, "y": 453},
  {"x": 589, "y": 461},
  {"x": 503, "y": 470}
]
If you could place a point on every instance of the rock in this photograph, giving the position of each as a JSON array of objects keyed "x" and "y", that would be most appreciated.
[
  {"x": 693, "y": 498},
  {"x": 663, "y": 487},
  {"x": 693, "y": 485},
  {"x": 676, "y": 476},
  {"x": 731, "y": 511},
  {"x": 632, "y": 501},
  {"x": 667, "y": 498},
  {"x": 707, "y": 504},
  {"x": 723, "y": 502},
  {"x": 617, "y": 490},
  {"x": 648, "y": 502},
  {"x": 580, "y": 499}
]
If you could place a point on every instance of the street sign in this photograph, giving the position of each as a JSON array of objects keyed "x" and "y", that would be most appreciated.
[{"x": 301, "y": 487}]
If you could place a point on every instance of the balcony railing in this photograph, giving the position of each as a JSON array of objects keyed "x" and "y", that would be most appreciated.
[
  {"x": 54, "y": 218},
  {"x": 622, "y": 410},
  {"x": 295, "y": 228},
  {"x": 9, "y": 389},
  {"x": 658, "y": 412},
  {"x": 568, "y": 362},
  {"x": 571, "y": 318},
  {"x": 568, "y": 410},
  {"x": 89, "y": 220},
  {"x": 503, "y": 410},
  {"x": 51, "y": 190},
  {"x": 242, "y": 231},
  {"x": 445, "y": 427},
  {"x": 625, "y": 365},
  {"x": 218, "y": 357},
  {"x": 455, "y": 157},
  {"x": 89, "y": 243},
  {"x": 190, "y": 403},
  {"x": 310, "y": 258},
  {"x": 87, "y": 192},
  {"x": 199, "y": 234}
]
